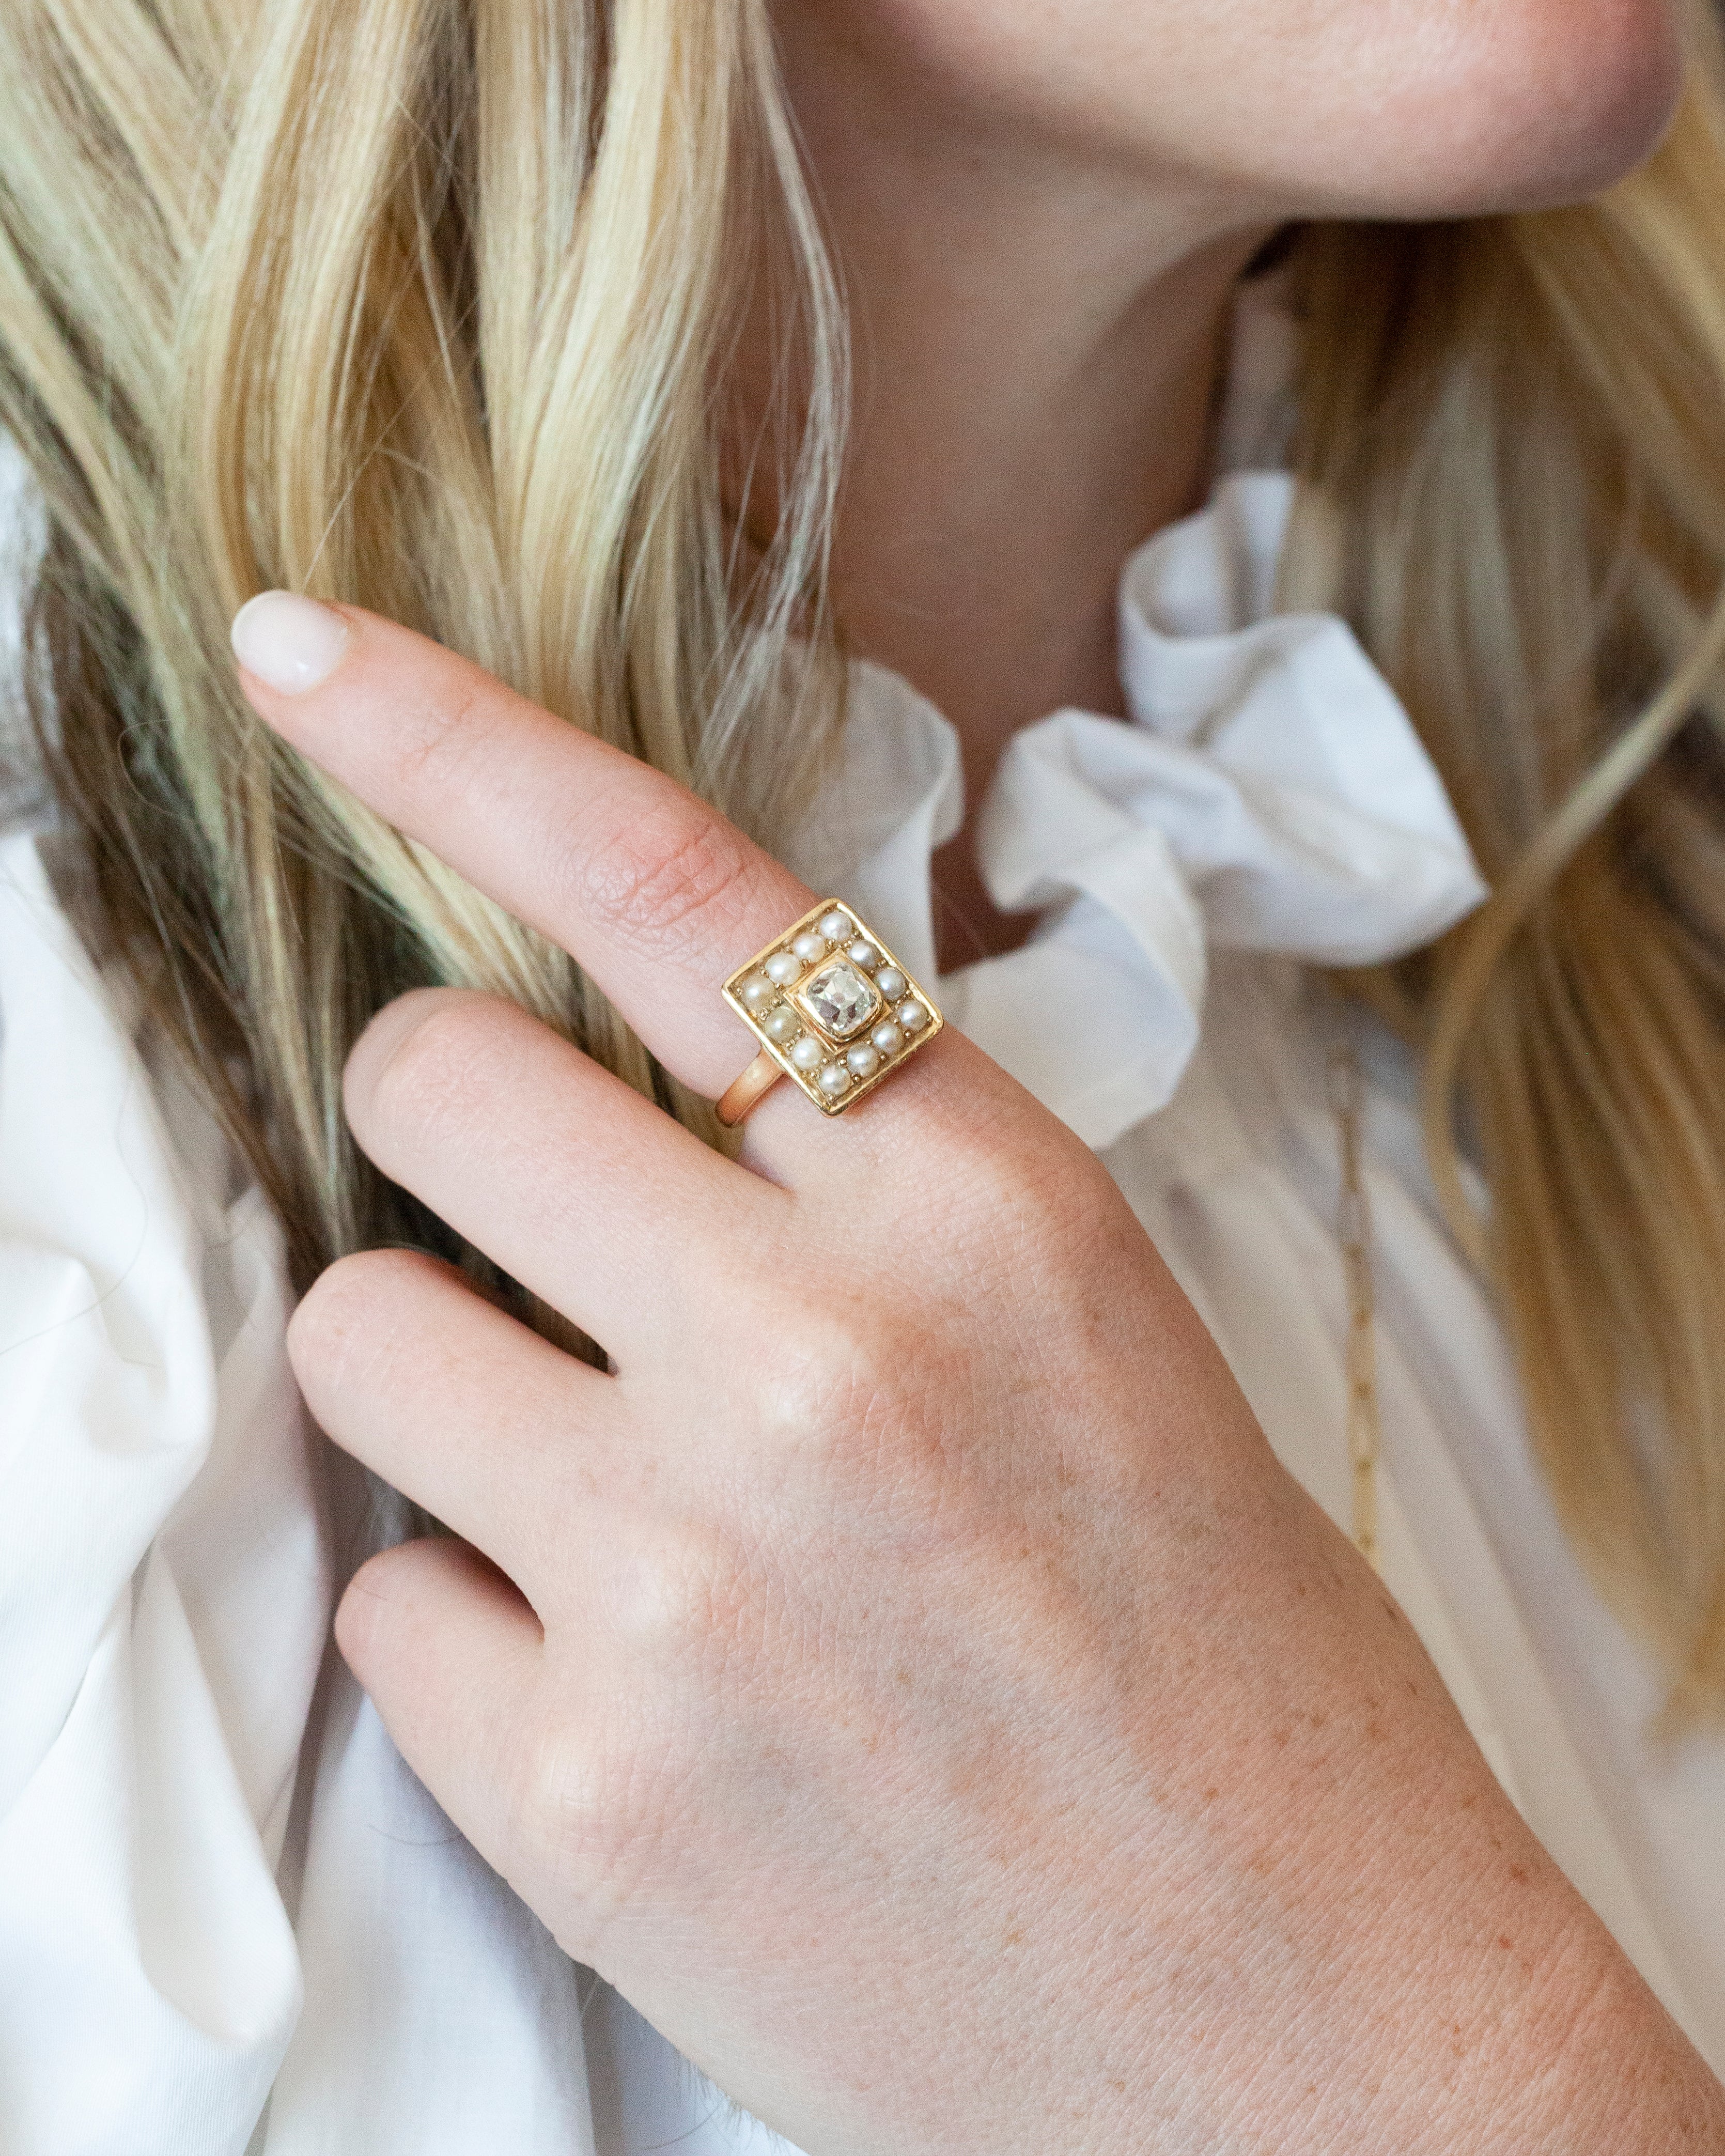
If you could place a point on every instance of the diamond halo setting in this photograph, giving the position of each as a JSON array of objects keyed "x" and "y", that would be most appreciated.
[{"x": 832, "y": 1006}]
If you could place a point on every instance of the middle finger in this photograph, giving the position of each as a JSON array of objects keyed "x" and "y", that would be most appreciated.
[{"x": 569, "y": 1179}]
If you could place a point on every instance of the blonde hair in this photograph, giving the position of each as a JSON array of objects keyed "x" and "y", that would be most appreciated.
[
  {"x": 420, "y": 305},
  {"x": 428, "y": 305}
]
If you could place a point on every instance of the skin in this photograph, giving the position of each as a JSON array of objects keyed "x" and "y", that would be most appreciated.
[
  {"x": 907, "y": 1673},
  {"x": 1039, "y": 209}
]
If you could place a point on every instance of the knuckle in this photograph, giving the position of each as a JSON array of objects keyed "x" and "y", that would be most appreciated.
[
  {"x": 825, "y": 1357},
  {"x": 608, "y": 1799},
  {"x": 1036, "y": 1201},
  {"x": 362, "y": 1329},
  {"x": 680, "y": 1597},
  {"x": 337, "y": 1323},
  {"x": 588, "y": 1797},
  {"x": 660, "y": 870},
  {"x": 1009, "y": 1183},
  {"x": 440, "y": 1068},
  {"x": 835, "y": 1387}
]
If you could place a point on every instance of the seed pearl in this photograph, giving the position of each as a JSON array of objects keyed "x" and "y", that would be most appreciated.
[
  {"x": 887, "y": 1038},
  {"x": 808, "y": 1053},
  {"x": 835, "y": 926},
  {"x": 756, "y": 990},
  {"x": 835, "y": 1078},
  {"x": 863, "y": 953},
  {"x": 780, "y": 1024},
  {"x": 891, "y": 982},
  {"x": 912, "y": 1017},
  {"x": 863, "y": 1060},
  {"x": 809, "y": 947},
  {"x": 783, "y": 968}
]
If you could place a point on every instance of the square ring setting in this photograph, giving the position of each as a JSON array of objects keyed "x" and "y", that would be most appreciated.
[{"x": 832, "y": 1006}]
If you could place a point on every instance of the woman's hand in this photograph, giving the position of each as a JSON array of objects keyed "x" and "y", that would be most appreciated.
[{"x": 909, "y": 1677}]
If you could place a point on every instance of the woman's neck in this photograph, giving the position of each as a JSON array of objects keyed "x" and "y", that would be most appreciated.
[{"x": 1037, "y": 350}]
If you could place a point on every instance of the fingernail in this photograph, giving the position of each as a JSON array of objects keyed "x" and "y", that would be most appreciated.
[{"x": 291, "y": 643}]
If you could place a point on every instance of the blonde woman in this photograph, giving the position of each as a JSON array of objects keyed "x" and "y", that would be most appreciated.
[{"x": 1141, "y": 581}]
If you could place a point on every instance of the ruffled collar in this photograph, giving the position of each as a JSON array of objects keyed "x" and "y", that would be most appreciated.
[{"x": 1267, "y": 793}]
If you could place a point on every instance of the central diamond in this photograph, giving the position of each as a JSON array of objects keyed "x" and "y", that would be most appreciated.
[{"x": 840, "y": 1000}]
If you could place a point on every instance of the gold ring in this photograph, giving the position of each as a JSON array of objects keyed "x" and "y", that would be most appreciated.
[{"x": 833, "y": 1010}]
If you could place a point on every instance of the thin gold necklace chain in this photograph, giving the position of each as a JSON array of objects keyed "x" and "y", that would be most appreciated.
[{"x": 1353, "y": 1228}]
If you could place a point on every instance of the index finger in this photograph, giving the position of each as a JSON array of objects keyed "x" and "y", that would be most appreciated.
[{"x": 653, "y": 892}]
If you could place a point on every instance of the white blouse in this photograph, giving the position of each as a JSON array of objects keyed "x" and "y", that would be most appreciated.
[{"x": 232, "y": 1923}]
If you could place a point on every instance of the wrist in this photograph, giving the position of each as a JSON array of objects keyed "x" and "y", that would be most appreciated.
[
  {"x": 1393, "y": 1961},
  {"x": 1476, "y": 2004}
]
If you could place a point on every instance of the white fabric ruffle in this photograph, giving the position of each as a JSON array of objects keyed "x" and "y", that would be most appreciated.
[
  {"x": 163, "y": 1592},
  {"x": 166, "y": 1581},
  {"x": 1270, "y": 794}
]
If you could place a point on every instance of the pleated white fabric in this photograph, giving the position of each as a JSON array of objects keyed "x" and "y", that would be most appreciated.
[
  {"x": 1270, "y": 794},
  {"x": 231, "y": 1922},
  {"x": 166, "y": 1576}
]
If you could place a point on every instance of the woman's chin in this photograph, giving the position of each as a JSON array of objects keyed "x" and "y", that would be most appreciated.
[{"x": 1550, "y": 102}]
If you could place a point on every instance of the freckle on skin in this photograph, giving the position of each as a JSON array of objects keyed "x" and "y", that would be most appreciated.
[
  {"x": 1504, "y": 1941},
  {"x": 1518, "y": 1872}
]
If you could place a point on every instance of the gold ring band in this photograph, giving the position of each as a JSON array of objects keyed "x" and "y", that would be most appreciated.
[
  {"x": 834, "y": 1010},
  {"x": 741, "y": 1095}
]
